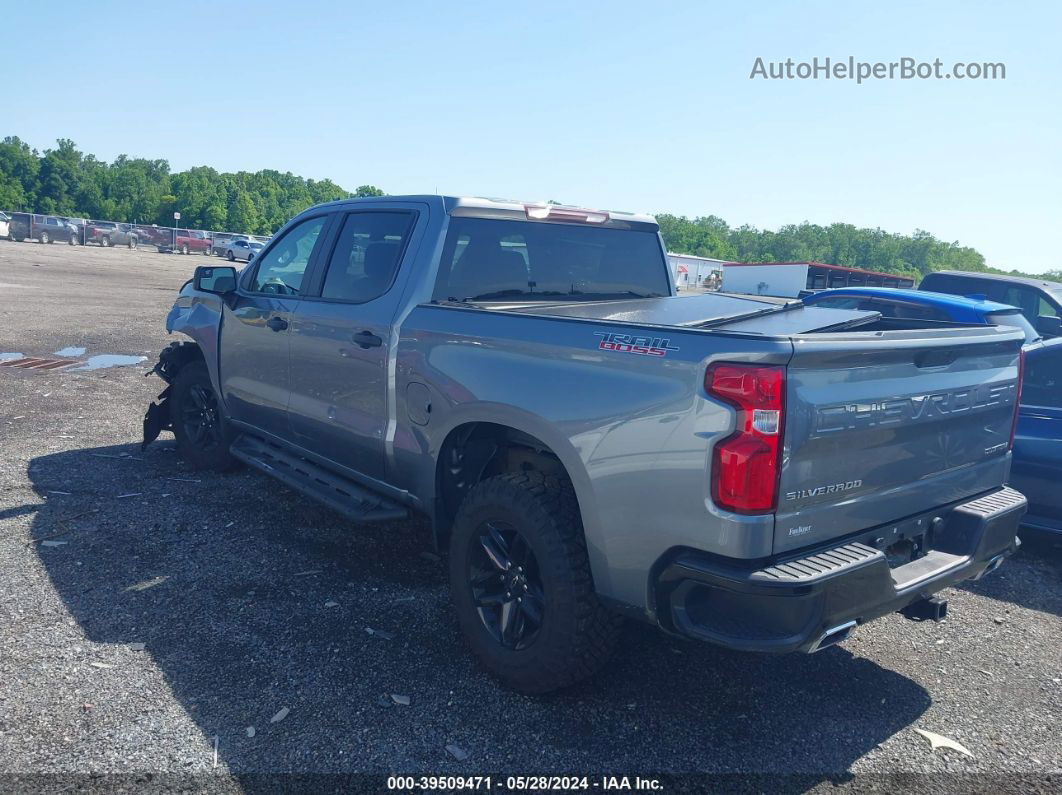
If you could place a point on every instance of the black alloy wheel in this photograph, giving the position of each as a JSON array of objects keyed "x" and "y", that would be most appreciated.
[
  {"x": 506, "y": 585},
  {"x": 201, "y": 419}
]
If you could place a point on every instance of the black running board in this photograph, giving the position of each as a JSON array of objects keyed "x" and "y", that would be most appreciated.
[{"x": 337, "y": 492}]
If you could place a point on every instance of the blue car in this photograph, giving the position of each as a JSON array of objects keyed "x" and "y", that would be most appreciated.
[
  {"x": 1037, "y": 468},
  {"x": 922, "y": 305}
]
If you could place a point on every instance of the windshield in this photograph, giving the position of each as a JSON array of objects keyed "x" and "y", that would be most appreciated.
[
  {"x": 499, "y": 259},
  {"x": 1016, "y": 319}
]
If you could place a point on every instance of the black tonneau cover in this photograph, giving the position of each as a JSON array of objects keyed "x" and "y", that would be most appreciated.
[{"x": 749, "y": 314}]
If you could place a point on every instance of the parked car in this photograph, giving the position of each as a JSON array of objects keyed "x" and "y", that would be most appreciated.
[
  {"x": 5, "y": 226},
  {"x": 45, "y": 228},
  {"x": 586, "y": 443},
  {"x": 158, "y": 236},
  {"x": 219, "y": 242},
  {"x": 1037, "y": 467},
  {"x": 18, "y": 228},
  {"x": 245, "y": 250},
  {"x": 942, "y": 307},
  {"x": 1039, "y": 300},
  {"x": 109, "y": 233},
  {"x": 75, "y": 226},
  {"x": 187, "y": 241}
]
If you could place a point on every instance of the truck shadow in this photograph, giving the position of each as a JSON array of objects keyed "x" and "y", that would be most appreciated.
[
  {"x": 1031, "y": 578},
  {"x": 249, "y": 598}
]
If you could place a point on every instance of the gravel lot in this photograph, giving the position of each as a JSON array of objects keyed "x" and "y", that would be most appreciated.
[{"x": 170, "y": 609}]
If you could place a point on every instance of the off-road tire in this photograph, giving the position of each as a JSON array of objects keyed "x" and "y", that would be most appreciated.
[
  {"x": 45, "y": 237},
  {"x": 184, "y": 249},
  {"x": 133, "y": 242},
  {"x": 105, "y": 242},
  {"x": 217, "y": 457},
  {"x": 577, "y": 634}
]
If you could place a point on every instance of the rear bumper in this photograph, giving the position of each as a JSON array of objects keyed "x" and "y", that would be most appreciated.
[{"x": 791, "y": 604}]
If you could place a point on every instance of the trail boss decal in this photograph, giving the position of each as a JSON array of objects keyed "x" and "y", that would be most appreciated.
[{"x": 633, "y": 343}]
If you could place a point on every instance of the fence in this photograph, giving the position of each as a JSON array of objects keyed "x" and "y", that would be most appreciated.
[{"x": 83, "y": 231}]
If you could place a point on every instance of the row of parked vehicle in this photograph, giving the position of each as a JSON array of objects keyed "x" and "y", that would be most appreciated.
[{"x": 20, "y": 227}]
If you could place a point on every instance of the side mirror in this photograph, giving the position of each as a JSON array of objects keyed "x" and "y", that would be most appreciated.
[
  {"x": 221, "y": 280},
  {"x": 1049, "y": 325}
]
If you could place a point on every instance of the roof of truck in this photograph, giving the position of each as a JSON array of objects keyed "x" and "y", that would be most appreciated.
[
  {"x": 1001, "y": 277},
  {"x": 480, "y": 205}
]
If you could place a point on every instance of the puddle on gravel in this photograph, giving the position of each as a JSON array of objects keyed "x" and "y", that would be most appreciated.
[
  {"x": 71, "y": 351},
  {"x": 10, "y": 357},
  {"x": 105, "y": 360}
]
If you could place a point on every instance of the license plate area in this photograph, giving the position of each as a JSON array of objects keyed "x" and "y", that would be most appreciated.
[{"x": 903, "y": 542}]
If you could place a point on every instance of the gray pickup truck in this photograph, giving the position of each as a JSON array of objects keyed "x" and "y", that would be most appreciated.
[
  {"x": 108, "y": 233},
  {"x": 751, "y": 472}
]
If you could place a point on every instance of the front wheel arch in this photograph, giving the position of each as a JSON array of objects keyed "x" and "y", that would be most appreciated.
[{"x": 206, "y": 446}]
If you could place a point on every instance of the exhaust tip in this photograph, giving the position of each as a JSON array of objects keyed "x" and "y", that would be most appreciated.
[
  {"x": 993, "y": 564},
  {"x": 832, "y": 637}
]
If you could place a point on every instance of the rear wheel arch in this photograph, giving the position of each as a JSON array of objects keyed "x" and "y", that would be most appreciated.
[{"x": 477, "y": 450}]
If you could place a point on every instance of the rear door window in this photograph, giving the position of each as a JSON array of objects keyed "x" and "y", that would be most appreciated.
[
  {"x": 1042, "y": 385},
  {"x": 366, "y": 255},
  {"x": 1026, "y": 299},
  {"x": 955, "y": 285}
]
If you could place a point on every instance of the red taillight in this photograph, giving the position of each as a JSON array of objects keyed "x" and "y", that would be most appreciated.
[
  {"x": 1017, "y": 397},
  {"x": 745, "y": 465}
]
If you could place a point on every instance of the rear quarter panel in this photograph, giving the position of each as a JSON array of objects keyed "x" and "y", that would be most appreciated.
[{"x": 634, "y": 432}]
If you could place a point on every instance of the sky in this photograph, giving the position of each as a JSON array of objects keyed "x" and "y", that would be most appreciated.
[{"x": 646, "y": 107}]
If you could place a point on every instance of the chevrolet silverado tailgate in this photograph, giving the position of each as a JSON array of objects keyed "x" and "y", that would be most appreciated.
[{"x": 883, "y": 425}]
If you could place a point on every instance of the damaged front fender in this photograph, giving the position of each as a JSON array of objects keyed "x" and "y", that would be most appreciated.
[
  {"x": 197, "y": 315},
  {"x": 171, "y": 360},
  {"x": 157, "y": 419}
]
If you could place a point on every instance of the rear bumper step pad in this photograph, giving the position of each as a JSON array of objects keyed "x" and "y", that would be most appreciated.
[{"x": 790, "y": 604}]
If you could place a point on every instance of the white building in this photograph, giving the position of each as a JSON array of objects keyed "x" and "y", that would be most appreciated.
[
  {"x": 790, "y": 279},
  {"x": 690, "y": 271}
]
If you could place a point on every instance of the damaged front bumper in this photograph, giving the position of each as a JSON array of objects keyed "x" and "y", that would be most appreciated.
[
  {"x": 795, "y": 604},
  {"x": 171, "y": 360}
]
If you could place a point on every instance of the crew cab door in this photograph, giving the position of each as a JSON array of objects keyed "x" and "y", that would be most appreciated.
[
  {"x": 342, "y": 336},
  {"x": 1037, "y": 468},
  {"x": 254, "y": 346}
]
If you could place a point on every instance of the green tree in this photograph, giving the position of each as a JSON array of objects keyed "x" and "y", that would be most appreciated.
[
  {"x": 243, "y": 215},
  {"x": 19, "y": 166}
]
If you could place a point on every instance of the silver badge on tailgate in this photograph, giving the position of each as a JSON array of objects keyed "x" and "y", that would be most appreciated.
[{"x": 818, "y": 491}]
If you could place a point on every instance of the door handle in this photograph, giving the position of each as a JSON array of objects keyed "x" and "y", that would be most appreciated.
[
  {"x": 366, "y": 340},
  {"x": 277, "y": 323}
]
